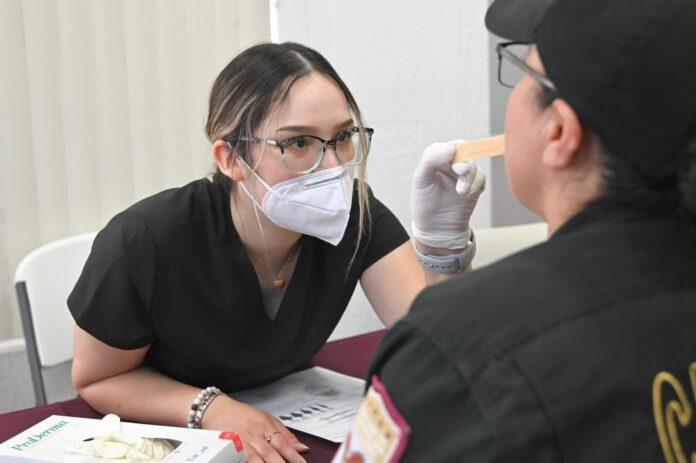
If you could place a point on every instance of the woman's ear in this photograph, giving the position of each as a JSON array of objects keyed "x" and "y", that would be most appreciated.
[
  {"x": 563, "y": 134},
  {"x": 227, "y": 161}
]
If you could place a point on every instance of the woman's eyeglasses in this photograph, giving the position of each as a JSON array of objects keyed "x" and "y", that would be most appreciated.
[{"x": 304, "y": 153}]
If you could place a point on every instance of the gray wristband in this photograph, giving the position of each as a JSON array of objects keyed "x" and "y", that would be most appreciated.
[{"x": 455, "y": 263}]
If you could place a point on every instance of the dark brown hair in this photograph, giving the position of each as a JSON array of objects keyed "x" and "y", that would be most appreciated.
[{"x": 627, "y": 185}]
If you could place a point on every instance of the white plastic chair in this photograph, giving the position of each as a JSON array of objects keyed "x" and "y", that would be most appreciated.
[
  {"x": 493, "y": 244},
  {"x": 43, "y": 280}
]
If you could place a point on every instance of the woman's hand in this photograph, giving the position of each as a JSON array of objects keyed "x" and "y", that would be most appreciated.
[
  {"x": 443, "y": 197},
  {"x": 265, "y": 438},
  {"x": 109, "y": 379}
]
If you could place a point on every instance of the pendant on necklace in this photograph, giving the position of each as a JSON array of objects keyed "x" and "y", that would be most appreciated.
[{"x": 278, "y": 283}]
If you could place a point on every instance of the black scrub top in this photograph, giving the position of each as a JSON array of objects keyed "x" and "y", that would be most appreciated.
[
  {"x": 574, "y": 350},
  {"x": 172, "y": 273}
]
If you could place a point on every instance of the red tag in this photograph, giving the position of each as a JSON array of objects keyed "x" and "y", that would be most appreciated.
[{"x": 234, "y": 437}]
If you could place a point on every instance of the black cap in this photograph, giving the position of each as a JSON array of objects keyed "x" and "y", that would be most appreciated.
[
  {"x": 627, "y": 67},
  {"x": 516, "y": 20}
]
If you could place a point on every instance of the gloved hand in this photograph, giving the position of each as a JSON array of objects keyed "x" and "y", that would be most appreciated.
[{"x": 443, "y": 197}]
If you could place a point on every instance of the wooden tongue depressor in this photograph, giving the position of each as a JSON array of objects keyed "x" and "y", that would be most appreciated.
[{"x": 477, "y": 149}]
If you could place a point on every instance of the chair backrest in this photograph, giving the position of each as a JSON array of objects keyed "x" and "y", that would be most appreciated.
[
  {"x": 493, "y": 244},
  {"x": 49, "y": 274}
]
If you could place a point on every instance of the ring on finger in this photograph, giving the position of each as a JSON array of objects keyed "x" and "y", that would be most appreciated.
[{"x": 269, "y": 436}]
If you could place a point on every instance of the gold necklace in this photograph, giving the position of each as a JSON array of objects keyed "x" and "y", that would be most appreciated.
[{"x": 278, "y": 281}]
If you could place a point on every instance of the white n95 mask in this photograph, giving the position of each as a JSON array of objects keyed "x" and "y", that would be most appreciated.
[{"x": 316, "y": 204}]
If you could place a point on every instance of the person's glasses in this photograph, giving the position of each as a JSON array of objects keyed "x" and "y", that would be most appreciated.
[
  {"x": 512, "y": 66},
  {"x": 303, "y": 154}
]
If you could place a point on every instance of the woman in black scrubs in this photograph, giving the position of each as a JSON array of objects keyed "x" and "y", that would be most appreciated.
[{"x": 235, "y": 282}]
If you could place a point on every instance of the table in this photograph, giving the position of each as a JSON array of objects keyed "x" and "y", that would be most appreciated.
[{"x": 350, "y": 356}]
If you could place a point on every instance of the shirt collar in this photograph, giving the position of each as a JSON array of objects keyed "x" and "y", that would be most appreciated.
[{"x": 602, "y": 211}]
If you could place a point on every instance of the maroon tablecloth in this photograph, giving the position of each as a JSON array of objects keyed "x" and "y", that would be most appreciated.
[{"x": 350, "y": 356}]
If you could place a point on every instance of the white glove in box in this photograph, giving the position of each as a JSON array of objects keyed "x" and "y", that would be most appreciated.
[{"x": 51, "y": 441}]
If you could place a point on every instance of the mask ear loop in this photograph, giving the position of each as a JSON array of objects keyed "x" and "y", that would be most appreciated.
[
  {"x": 263, "y": 238},
  {"x": 256, "y": 208}
]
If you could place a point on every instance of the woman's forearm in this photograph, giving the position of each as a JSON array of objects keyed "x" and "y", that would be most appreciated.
[{"x": 143, "y": 395}]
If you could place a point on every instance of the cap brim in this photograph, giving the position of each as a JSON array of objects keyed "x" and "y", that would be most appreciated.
[{"x": 516, "y": 20}]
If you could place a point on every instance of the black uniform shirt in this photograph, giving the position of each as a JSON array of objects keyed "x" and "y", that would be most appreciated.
[
  {"x": 171, "y": 272},
  {"x": 569, "y": 351}
]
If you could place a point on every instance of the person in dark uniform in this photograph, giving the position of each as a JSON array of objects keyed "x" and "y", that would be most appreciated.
[
  {"x": 235, "y": 282},
  {"x": 583, "y": 348}
]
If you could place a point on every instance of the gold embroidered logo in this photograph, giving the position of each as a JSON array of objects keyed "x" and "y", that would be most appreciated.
[{"x": 674, "y": 411}]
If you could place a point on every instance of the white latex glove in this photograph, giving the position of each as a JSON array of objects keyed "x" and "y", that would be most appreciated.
[
  {"x": 109, "y": 442},
  {"x": 443, "y": 197}
]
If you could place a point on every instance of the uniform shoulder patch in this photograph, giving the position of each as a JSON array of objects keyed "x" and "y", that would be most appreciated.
[{"x": 379, "y": 433}]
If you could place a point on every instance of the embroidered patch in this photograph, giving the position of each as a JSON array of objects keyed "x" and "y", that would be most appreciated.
[{"x": 379, "y": 433}]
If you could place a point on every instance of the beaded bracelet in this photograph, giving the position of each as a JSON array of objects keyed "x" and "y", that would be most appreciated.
[{"x": 198, "y": 407}]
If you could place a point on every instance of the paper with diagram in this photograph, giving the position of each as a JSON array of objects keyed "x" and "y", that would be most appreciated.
[{"x": 317, "y": 401}]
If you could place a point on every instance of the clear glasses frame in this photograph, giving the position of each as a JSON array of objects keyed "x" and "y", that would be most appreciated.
[
  {"x": 504, "y": 53},
  {"x": 283, "y": 144}
]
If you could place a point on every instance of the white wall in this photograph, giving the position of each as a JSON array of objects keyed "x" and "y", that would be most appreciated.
[{"x": 420, "y": 73}]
